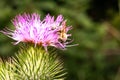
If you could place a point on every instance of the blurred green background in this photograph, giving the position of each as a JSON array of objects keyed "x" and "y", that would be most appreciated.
[{"x": 96, "y": 28}]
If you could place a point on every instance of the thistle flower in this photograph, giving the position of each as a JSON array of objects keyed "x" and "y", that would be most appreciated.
[{"x": 47, "y": 32}]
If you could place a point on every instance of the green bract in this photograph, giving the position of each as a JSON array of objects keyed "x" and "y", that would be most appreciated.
[{"x": 33, "y": 63}]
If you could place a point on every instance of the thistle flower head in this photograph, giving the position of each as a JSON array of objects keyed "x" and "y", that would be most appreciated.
[{"x": 47, "y": 32}]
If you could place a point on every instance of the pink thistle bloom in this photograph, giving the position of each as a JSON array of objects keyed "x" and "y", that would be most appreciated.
[{"x": 48, "y": 32}]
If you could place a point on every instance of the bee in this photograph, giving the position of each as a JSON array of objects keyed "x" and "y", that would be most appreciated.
[{"x": 62, "y": 33}]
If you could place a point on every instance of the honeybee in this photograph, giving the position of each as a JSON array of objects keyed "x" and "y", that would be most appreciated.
[{"x": 62, "y": 33}]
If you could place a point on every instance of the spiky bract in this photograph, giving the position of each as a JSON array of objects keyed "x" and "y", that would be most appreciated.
[{"x": 34, "y": 63}]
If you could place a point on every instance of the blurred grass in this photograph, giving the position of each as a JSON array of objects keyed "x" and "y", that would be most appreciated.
[{"x": 96, "y": 28}]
